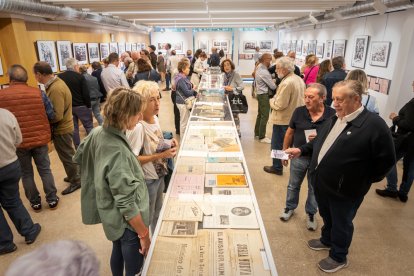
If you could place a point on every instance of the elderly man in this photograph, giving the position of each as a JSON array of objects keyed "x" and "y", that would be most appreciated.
[
  {"x": 61, "y": 98},
  {"x": 338, "y": 74},
  {"x": 133, "y": 67},
  {"x": 81, "y": 101},
  {"x": 168, "y": 78},
  {"x": 303, "y": 127},
  {"x": 33, "y": 111},
  {"x": 292, "y": 55},
  {"x": 113, "y": 77},
  {"x": 351, "y": 151},
  {"x": 263, "y": 82},
  {"x": 289, "y": 96}
]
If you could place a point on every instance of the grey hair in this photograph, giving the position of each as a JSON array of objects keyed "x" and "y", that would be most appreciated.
[
  {"x": 355, "y": 87},
  {"x": 61, "y": 258},
  {"x": 71, "y": 63},
  {"x": 286, "y": 63},
  {"x": 320, "y": 87}
]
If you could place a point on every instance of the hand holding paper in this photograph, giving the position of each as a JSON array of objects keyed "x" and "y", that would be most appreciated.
[{"x": 279, "y": 154}]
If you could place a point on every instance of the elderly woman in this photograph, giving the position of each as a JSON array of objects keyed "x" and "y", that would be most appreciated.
[
  {"x": 151, "y": 149},
  {"x": 184, "y": 90},
  {"x": 114, "y": 192},
  {"x": 145, "y": 72},
  {"x": 368, "y": 101},
  {"x": 311, "y": 69},
  {"x": 232, "y": 83}
]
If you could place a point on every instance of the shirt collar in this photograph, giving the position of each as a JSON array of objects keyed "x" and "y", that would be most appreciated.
[
  {"x": 348, "y": 118},
  {"x": 49, "y": 82}
]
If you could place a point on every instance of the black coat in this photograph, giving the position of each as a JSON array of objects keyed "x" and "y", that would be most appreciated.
[
  {"x": 329, "y": 80},
  {"x": 361, "y": 155},
  {"x": 78, "y": 87}
]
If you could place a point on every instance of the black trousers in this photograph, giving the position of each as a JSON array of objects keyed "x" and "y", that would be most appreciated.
[{"x": 176, "y": 113}]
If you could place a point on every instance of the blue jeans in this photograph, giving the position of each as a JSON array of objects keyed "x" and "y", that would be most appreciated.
[
  {"x": 40, "y": 156},
  {"x": 96, "y": 109},
  {"x": 298, "y": 168},
  {"x": 11, "y": 203},
  {"x": 167, "y": 81},
  {"x": 83, "y": 114},
  {"x": 407, "y": 177},
  {"x": 155, "y": 190},
  {"x": 338, "y": 229},
  {"x": 125, "y": 253},
  {"x": 278, "y": 135}
]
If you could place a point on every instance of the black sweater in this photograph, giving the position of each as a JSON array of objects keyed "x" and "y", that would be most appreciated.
[{"x": 78, "y": 87}]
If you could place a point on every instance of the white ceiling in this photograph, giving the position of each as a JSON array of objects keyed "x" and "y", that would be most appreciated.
[{"x": 204, "y": 13}]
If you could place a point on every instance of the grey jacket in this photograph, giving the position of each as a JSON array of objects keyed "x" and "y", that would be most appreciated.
[{"x": 93, "y": 87}]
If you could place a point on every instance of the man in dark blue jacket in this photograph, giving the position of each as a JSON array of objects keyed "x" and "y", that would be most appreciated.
[
  {"x": 351, "y": 151},
  {"x": 338, "y": 74}
]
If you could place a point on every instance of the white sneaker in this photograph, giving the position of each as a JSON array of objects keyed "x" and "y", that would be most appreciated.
[
  {"x": 265, "y": 140},
  {"x": 311, "y": 223},
  {"x": 256, "y": 137},
  {"x": 287, "y": 214}
]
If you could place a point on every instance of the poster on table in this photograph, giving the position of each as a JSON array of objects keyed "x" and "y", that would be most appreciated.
[
  {"x": 113, "y": 47},
  {"x": 46, "y": 51},
  {"x": 266, "y": 45},
  {"x": 329, "y": 48},
  {"x": 64, "y": 51},
  {"x": 359, "y": 54},
  {"x": 93, "y": 51},
  {"x": 104, "y": 50},
  {"x": 249, "y": 46},
  {"x": 380, "y": 52},
  {"x": 203, "y": 45},
  {"x": 339, "y": 48},
  {"x": 80, "y": 53},
  {"x": 121, "y": 48},
  {"x": 319, "y": 50}
]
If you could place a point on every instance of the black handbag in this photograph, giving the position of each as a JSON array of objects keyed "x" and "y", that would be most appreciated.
[{"x": 238, "y": 103}]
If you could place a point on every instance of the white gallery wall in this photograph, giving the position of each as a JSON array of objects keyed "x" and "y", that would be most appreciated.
[{"x": 394, "y": 27}]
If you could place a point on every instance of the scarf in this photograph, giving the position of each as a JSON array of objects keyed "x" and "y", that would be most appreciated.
[{"x": 228, "y": 77}]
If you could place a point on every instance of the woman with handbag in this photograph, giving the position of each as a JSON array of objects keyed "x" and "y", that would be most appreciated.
[
  {"x": 403, "y": 134},
  {"x": 185, "y": 93},
  {"x": 311, "y": 69}
]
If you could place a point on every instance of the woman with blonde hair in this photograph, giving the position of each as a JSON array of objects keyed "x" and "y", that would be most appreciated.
[
  {"x": 311, "y": 69},
  {"x": 113, "y": 186},
  {"x": 368, "y": 101}
]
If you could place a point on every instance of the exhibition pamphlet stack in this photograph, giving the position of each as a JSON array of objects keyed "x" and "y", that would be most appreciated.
[{"x": 210, "y": 223}]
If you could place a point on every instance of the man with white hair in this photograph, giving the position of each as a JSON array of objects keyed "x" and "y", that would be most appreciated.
[
  {"x": 81, "y": 101},
  {"x": 292, "y": 55},
  {"x": 289, "y": 96}
]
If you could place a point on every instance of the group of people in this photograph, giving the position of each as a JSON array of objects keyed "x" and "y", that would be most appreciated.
[{"x": 326, "y": 122}]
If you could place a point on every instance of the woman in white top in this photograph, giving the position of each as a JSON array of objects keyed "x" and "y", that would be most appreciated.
[
  {"x": 150, "y": 147},
  {"x": 200, "y": 67},
  {"x": 368, "y": 101}
]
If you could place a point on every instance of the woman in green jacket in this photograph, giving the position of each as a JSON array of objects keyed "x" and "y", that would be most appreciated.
[{"x": 114, "y": 192}]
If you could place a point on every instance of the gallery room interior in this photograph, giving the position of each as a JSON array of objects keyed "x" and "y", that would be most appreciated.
[{"x": 221, "y": 211}]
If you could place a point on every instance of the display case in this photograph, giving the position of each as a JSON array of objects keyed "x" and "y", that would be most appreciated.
[{"x": 210, "y": 222}]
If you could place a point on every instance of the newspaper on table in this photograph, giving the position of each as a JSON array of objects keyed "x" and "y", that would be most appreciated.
[
  {"x": 225, "y": 180},
  {"x": 192, "y": 184},
  {"x": 178, "y": 229},
  {"x": 218, "y": 168},
  {"x": 231, "y": 191},
  {"x": 214, "y": 252},
  {"x": 182, "y": 210},
  {"x": 222, "y": 144},
  {"x": 231, "y": 214}
]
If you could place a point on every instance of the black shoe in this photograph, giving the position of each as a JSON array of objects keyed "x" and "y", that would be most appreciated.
[
  {"x": 402, "y": 197},
  {"x": 66, "y": 179},
  {"x": 37, "y": 207},
  {"x": 8, "y": 250},
  {"x": 386, "y": 193},
  {"x": 71, "y": 188},
  {"x": 54, "y": 203},
  {"x": 270, "y": 169},
  {"x": 166, "y": 89},
  {"x": 32, "y": 237}
]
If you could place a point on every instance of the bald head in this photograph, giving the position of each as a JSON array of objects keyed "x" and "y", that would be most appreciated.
[
  {"x": 135, "y": 55},
  {"x": 17, "y": 73}
]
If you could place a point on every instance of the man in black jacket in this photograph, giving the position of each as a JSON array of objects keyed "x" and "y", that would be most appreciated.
[
  {"x": 81, "y": 102},
  {"x": 338, "y": 74},
  {"x": 351, "y": 151}
]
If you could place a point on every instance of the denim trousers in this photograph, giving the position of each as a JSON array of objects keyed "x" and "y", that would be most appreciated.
[
  {"x": 278, "y": 135},
  {"x": 96, "y": 109},
  {"x": 176, "y": 113},
  {"x": 125, "y": 254},
  {"x": 167, "y": 81},
  {"x": 10, "y": 201},
  {"x": 83, "y": 114},
  {"x": 64, "y": 147},
  {"x": 40, "y": 156},
  {"x": 155, "y": 192},
  {"x": 407, "y": 177},
  {"x": 337, "y": 214},
  {"x": 298, "y": 168},
  {"x": 263, "y": 110}
]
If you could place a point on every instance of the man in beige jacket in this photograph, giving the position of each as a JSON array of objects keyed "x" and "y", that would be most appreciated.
[{"x": 289, "y": 96}]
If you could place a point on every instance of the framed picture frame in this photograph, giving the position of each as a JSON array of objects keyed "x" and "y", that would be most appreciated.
[
  {"x": 128, "y": 46},
  {"x": 177, "y": 46},
  {"x": 113, "y": 47},
  {"x": 143, "y": 46},
  {"x": 339, "y": 48},
  {"x": 203, "y": 45},
  {"x": 1, "y": 68},
  {"x": 80, "y": 53},
  {"x": 46, "y": 51},
  {"x": 104, "y": 47},
  {"x": 359, "y": 54},
  {"x": 293, "y": 45},
  {"x": 299, "y": 47},
  {"x": 305, "y": 48},
  {"x": 221, "y": 44},
  {"x": 328, "y": 48},
  {"x": 121, "y": 47},
  {"x": 320, "y": 47},
  {"x": 380, "y": 53},
  {"x": 133, "y": 47},
  {"x": 266, "y": 45},
  {"x": 64, "y": 51},
  {"x": 249, "y": 46},
  {"x": 93, "y": 52},
  {"x": 312, "y": 47}
]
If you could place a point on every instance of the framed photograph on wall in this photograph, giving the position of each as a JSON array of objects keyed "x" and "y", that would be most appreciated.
[
  {"x": 46, "y": 51},
  {"x": 128, "y": 46},
  {"x": 319, "y": 49},
  {"x": 203, "y": 45},
  {"x": 305, "y": 49},
  {"x": 328, "y": 48},
  {"x": 293, "y": 45},
  {"x": 266, "y": 45},
  {"x": 121, "y": 48},
  {"x": 143, "y": 46},
  {"x": 177, "y": 46},
  {"x": 104, "y": 47},
  {"x": 299, "y": 47},
  {"x": 1, "y": 68},
  {"x": 133, "y": 46},
  {"x": 380, "y": 53},
  {"x": 339, "y": 48},
  {"x": 221, "y": 45},
  {"x": 93, "y": 51},
  {"x": 80, "y": 53},
  {"x": 312, "y": 47},
  {"x": 64, "y": 51},
  {"x": 113, "y": 47},
  {"x": 249, "y": 46},
  {"x": 359, "y": 55}
]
